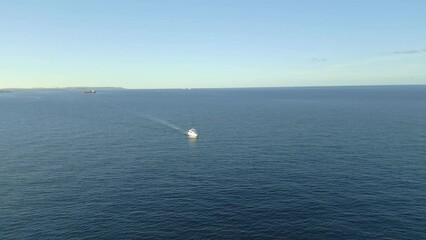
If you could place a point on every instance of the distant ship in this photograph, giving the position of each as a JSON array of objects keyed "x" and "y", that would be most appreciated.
[
  {"x": 192, "y": 133},
  {"x": 91, "y": 91}
]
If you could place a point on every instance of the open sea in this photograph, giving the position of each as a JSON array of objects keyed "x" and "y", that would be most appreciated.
[{"x": 271, "y": 163}]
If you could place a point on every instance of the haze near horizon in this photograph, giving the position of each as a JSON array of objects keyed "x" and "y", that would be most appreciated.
[{"x": 211, "y": 44}]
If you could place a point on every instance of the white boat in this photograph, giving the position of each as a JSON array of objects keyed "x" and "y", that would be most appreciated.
[{"x": 192, "y": 133}]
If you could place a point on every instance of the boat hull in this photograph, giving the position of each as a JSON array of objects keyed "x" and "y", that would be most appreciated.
[{"x": 192, "y": 135}]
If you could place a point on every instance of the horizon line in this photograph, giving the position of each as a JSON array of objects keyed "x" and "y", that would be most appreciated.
[{"x": 186, "y": 88}]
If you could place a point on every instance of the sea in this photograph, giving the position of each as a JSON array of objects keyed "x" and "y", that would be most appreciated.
[{"x": 269, "y": 163}]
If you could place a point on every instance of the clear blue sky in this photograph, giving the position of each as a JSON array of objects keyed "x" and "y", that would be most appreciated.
[{"x": 211, "y": 43}]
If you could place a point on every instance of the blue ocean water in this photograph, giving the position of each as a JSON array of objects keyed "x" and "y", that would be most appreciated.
[{"x": 278, "y": 163}]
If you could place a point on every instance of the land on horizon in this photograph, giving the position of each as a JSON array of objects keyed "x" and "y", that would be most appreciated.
[
  {"x": 62, "y": 88},
  {"x": 3, "y": 90}
]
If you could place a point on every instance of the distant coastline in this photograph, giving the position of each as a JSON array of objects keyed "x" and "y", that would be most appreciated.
[{"x": 8, "y": 90}]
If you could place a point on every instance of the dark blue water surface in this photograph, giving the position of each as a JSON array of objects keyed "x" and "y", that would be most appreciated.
[{"x": 284, "y": 163}]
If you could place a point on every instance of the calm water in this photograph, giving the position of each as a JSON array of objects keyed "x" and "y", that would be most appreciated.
[{"x": 295, "y": 163}]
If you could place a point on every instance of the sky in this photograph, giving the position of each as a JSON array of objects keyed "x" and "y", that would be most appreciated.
[{"x": 211, "y": 43}]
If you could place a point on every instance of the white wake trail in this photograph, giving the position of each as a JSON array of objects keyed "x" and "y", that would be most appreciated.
[{"x": 148, "y": 117}]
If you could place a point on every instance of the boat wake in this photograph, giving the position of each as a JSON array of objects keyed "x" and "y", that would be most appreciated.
[{"x": 148, "y": 117}]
